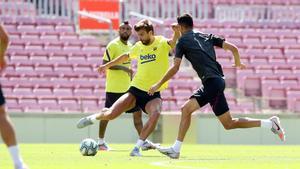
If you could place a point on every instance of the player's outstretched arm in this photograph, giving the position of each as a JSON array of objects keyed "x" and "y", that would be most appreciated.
[
  {"x": 235, "y": 52},
  {"x": 118, "y": 60},
  {"x": 4, "y": 40},
  {"x": 119, "y": 67},
  {"x": 170, "y": 73},
  {"x": 176, "y": 35}
]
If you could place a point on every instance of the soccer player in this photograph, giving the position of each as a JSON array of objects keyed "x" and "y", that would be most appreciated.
[
  {"x": 118, "y": 79},
  {"x": 198, "y": 48},
  {"x": 151, "y": 53},
  {"x": 6, "y": 126}
]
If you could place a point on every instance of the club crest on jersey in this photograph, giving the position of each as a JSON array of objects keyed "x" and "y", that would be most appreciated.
[
  {"x": 147, "y": 58},
  {"x": 154, "y": 49}
]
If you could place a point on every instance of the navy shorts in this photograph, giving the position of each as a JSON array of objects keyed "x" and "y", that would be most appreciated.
[
  {"x": 111, "y": 98},
  {"x": 212, "y": 92},
  {"x": 142, "y": 97},
  {"x": 2, "y": 99}
]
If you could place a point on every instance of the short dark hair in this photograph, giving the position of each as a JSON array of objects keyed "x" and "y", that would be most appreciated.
[
  {"x": 125, "y": 23},
  {"x": 185, "y": 20},
  {"x": 144, "y": 24}
]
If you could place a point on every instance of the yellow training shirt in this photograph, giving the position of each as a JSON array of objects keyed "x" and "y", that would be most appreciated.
[
  {"x": 117, "y": 81},
  {"x": 153, "y": 63}
]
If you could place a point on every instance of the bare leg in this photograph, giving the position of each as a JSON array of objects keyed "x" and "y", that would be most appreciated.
[
  {"x": 7, "y": 129},
  {"x": 186, "y": 114},
  {"x": 232, "y": 123},
  {"x": 153, "y": 109},
  {"x": 9, "y": 138},
  {"x": 102, "y": 128},
  {"x": 123, "y": 104},
  {"x": 138, "y": 122}
]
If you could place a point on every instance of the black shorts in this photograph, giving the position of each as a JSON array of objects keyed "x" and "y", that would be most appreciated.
[
  {"x": 2, "y": 99},
  {"x": 111, "y": 98},
  {"x": 142, "y": 97},
  {"x": 212, "y": 92}
]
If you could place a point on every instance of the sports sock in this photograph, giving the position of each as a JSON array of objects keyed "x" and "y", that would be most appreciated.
[
  {"x": 100, "y": 141},
  {"x": 266, "y": 123},
  {"x": 177, "y": 146},
  {"x": 15, "y": 155},
  {"x": 139, "y": 143}
]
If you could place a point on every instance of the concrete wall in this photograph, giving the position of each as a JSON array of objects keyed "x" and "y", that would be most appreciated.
[{"x": 205, "y": 129}]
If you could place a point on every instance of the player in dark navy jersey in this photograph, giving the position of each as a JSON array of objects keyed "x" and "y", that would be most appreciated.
[{"x": 198, "y": 48}]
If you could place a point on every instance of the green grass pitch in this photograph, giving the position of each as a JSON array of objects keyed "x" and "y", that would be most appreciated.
[{"x": 67, "y": 156}]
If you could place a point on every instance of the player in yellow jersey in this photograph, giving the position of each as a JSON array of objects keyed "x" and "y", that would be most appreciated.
[
  {"x": 152, "y": 54},
  {"x": 118, "y": 80}
]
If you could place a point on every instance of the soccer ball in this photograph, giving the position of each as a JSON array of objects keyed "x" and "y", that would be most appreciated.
[{"x": 88, "y": 147}]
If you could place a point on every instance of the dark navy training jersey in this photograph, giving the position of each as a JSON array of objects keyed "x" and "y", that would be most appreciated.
[{"x": 198, "y": 48}]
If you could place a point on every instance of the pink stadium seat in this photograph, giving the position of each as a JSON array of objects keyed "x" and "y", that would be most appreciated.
[
  {"x": 25, "y": 69},
  {"x": 252, "y": 86},
  {"x": 22, "y": 91},
  {"x": 63, "y": 68},
  {"x": 63, "y": 92},
  {"x": 39, "y": 59},
  {"x": 297, "y": 105},
  {"x": 64, "y": 28},
  {"x": 259, "y": 60},
  {"x": 84, "y": 70},
  {"x": 230, "y": 75},
  {"x": 269, "y": 81},
  {"x": 69, "y": 104},
  {"x": 291, "y": 52},
  {"x": 277, "y": 97},
  {"x": 26, "y": 28},
  {"x": 40, "y": 81},
  {"x": 288, "y": 41},
  {"x": 54, "y": 59},
  {"x": 166, "y": 93},
  {"x": 170, "y": 105},
  {"x": 241, "y": 74},
  {"x": 251, "y": 41},
  {"x": 91, "y": 104},
  {"x": 99, "y": 93},
  {"x": 42, "y": 69},
  {"x": 49, "y": 103},
  {"x": 273, "y": 52},
  {"x": 30, "y": 37},
  {"x": 49, "y": 37},
  {"x": 264, "y": 70},
  {"x": 45, "y": 28},
  {"x": 92, "y": 49},
  {"x": 51, "y": 48},
  {"x": 83, "y": 92},
  {"x": 70, "y": 37},
  {"x": 28, "y": 102},
  {"x": 42, "y": 91},
  {"x": 278, "y": 61},
  {"x": 76, "y": 60},
  {"x": 293, "y": 61}
]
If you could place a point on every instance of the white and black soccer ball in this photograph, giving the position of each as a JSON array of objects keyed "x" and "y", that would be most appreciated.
[{"x": 88, "y": 147}]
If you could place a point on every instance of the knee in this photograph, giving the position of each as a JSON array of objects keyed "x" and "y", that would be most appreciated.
[
  {"x": 154, "y": 116},
  {"x": 110, "y": 115},
  {"x": 185, "y": 111}
]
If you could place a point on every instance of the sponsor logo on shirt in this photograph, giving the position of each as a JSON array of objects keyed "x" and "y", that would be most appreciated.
[{"x": 147, "y": 58}]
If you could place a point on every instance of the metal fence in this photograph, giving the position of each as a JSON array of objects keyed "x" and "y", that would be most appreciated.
[
  {"x": 257, "y": 13},
  {"x": 45, "y": 8},
  {"x": 163, "y": 9}
]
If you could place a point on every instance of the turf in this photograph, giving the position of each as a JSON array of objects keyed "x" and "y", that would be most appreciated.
[{"x": 67, "y": 156}]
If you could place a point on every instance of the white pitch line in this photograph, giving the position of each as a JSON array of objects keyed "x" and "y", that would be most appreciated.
[{"x": 168, "y": 164}]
